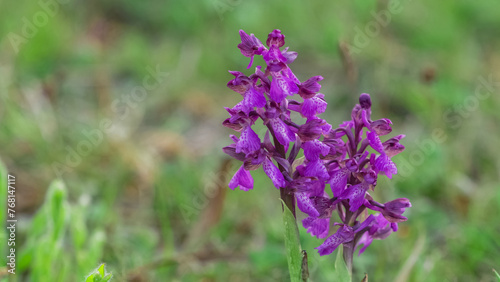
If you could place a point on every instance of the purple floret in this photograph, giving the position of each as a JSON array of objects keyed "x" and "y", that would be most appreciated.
[{"x": 349, "y": 158}]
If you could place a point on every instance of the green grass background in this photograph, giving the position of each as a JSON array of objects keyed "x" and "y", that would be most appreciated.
[{"x": 142, "y": 200}]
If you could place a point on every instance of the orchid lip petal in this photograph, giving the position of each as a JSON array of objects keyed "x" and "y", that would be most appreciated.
[
  {"x": 273, "y": 173},
  {"x": 344, "y": 234},
  {"x": 243, "y": 179}
]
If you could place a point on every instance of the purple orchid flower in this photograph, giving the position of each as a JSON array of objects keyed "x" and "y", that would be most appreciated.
[{"x": 338, "y": 156}]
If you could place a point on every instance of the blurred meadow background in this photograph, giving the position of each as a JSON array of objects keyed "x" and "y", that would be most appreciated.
[{"x": 110, "y": 119}]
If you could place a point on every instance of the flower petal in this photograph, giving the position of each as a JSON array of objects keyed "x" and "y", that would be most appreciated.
[
  {"x": 375, "y": 141},
  {"x": 277, "y": 93},
  {"x": 281, "y": 87},
  {"x": 254, "y": 98},
  {"x": 344, "y": 234},
  {"x": 381, "y": 126},
  {"x": 392, "y": 146},
  {"x": 231, "y": 151},
  {"x": 249, "y": 141},
  {"x": 385, "y": 166},
  {"x": 356, "y": 195},
  {"x": 305, "y": 204},
  {"x": 273, "y": 173},
  {"x": 290, "y": 56},
  {"x": 316, "y": 169},
  {"x": 292, "y": 78},
  {"x": 282, "y": 131},
  {"x": 250, "y": 46},
  {"x": 312, "y": 129},
  {"x": 274, "y": 54},
  {"x": 394, "y": 209},
  {"x": 243, "y": 179},
  {"x": 365, "y": 240},
  {"x": 313, "y": 106},
  {"x": 318, "y": 227},
  {"x": 313, "y": 149},
  {"x": 310, "y": 87},
  {"x": 338, "y": 181}
]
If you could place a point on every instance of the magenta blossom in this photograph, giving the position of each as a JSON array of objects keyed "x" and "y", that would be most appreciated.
[{"x": 338, "y": 157}]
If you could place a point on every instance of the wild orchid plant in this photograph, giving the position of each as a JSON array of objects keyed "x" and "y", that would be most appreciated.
[{"x": 334, "y": 156}]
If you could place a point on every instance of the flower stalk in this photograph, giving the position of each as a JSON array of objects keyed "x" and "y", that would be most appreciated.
[{"x": 287, "y": 196}]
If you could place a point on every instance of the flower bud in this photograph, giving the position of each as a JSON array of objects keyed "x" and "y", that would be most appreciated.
[
  {"x": 365, "y": 101},
  {"x": 310, "y": 87},
  {"x": 290, "y": 56},
  {"x": 397, "y": 206},
  {"x": 275, "y": 38},
  {"x": 394, "y": 209},
  {"x": 381, "y": 126},
  {"x": 351, "y": 165},
  {"x": 371, "y": 177},
  {"x": 311, "y": 130},
  {"x": 392, "y": 146}
]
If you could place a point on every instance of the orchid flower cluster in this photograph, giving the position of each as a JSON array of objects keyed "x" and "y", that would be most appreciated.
[{"x": 337, "y": 157}]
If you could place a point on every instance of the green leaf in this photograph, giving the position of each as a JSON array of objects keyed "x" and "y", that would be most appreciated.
[
  {"x": 101, "y": 270},
  {"x": 498, "y": 275},
  {"x": 99, "y": 275},
  {"x": 58, "y": 208},
  {"x": 90, "y": 278},
  {"x": 79, "y": 232},
  {"x": 292, "y": 245},
  {"x": 341, "y": 272}
]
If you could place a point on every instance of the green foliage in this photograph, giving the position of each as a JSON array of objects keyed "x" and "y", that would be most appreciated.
[
  {"x": 99, "y": 275},
  {"x": 341, "y": 271},
  {"x": 292, "y": 245},
  {"x": 496, "y": 274},
  {"x": 45, "y": 253},
  {"x": 44, "y": 248}
]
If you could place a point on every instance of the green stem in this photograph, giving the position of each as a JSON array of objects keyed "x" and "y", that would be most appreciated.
[
  {"x": 348, "y": 248},
  {"x": 348, "y": 251},
  {"x": 287, "y": 196},
  {"x": 297, "y": 261},
  {"x": 289, "y": 200}
]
